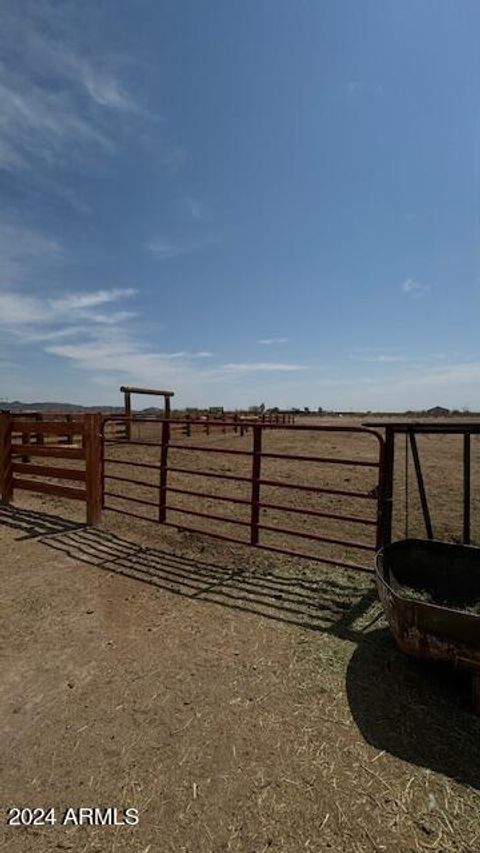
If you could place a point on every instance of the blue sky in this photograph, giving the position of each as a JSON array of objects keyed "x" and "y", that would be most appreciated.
[{"x": 244, "y": 201}]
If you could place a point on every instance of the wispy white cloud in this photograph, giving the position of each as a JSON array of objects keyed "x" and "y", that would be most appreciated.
[
  {"x": 19, "y": 311},
  {"x": 414, "y": 289},
  {"x": 384, "y": 358},
  {"x": 262, "y": 366},
  {"x": 270, "y": 341},
  {"x": 111, "y": 358},
  {"x": 61, "y": 99},
  {"x": 80, "y": 301}
]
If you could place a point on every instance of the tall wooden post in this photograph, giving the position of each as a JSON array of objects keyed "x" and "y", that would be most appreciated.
[
  {"x": 69, "y": 436},
  {"x": 25, "y": 440},
  {"x": 167, "y": 407},
  {"x": 128, "y": 414},
  {"x": 40, "y": 435},
  {"x": 93, "y": 466},
  {"x": 6, "y": 474}
]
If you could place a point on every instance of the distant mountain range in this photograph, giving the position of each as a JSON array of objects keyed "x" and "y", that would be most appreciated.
[{"x": 18, "y": 406}]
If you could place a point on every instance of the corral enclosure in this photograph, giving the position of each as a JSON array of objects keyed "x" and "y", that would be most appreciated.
[
  {"x": 242, "y": 700},
  {"x": 320, "y": 509},
  {"x": 219, "y": 469},
  {"x": 441, "y": 460}
]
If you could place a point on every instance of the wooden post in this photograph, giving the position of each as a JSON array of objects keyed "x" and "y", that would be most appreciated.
[
  {"x": 25, "y": 440},
  {"x": 188, "y": 427},
  {"x": 93, "y": 467},
  {"x": 6, "y": 474},
  {"x": 40, "y": 435},
  {"x": 167, "y": 407},
  {"x": 207, "y": 425},
  {"x": 255, "y": 497},
  {"x": 69, "y": 436},
  {"x": 128, "y": 414}
]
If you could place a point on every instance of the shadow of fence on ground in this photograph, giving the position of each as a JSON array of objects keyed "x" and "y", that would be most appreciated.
[
  {"x": 417, "y": 711},
  {"x": 319, "y": 603}
]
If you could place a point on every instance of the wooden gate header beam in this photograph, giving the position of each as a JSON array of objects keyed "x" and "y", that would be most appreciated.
[{"x": 130, "y": 390}]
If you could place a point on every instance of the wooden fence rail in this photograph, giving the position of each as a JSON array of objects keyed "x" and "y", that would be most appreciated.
[{"x": 16, "y": 471}]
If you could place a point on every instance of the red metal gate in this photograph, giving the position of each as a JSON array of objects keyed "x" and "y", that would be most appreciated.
[{"x": 168, "y": 480}]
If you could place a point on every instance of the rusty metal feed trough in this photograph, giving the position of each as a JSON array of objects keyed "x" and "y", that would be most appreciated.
[{"x": 438, "y": 624}]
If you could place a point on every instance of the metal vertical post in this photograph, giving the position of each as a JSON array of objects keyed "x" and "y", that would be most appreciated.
[
  {"x": 466, "y": 488},
  {"x": 162, "y": 505},
  {"x": 421, "y": 485},
  {"x": 387, "y": 497},
  {"x": 255, "y": 498},
  {"x": 93, "y": 467}
]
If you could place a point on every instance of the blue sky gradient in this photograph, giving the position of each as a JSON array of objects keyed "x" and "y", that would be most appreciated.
[{"x": 244, "y": 201}]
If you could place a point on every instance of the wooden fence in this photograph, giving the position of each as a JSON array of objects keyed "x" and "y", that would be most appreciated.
[{"x": 83, "y": 447}]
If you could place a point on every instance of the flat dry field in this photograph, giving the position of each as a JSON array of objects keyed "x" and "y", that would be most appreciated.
[{"x": 241, "y": 700}]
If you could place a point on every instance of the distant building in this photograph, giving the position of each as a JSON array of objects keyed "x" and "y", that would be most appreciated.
[{"x": 437, "y": 412}]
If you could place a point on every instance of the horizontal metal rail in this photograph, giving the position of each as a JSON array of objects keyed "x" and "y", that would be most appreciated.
[
  {"x": 238, "y": 478},
  {"x": 320, "y": 514},
  {"x": 364, "y": 430},
  {"x": 270, "y": 548},
  {"x": 130, "y": 498},
  {"x": 325, "y": 459},
  {"x": 192, "y": 493},
  {"x": 316, "y": 538},
  {"x": 209, "y": 515},
  {"x": 209, "y": 449},
  {"x": 256, "y": 523},
  {"x": 281, "y": 507},
  {"x": 128, "y": 480},
  {"x": 321, "y": 490},
  {"x": 154, "y": 465},
  {"x": 129, "y": 514},
  {"x": 241, "y": 479}
]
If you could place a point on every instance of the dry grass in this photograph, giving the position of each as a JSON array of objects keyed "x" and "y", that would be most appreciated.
[{"x": 242, "y": 701}]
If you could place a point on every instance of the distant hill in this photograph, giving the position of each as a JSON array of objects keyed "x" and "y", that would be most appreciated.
[{"x": 18, "y": 406}]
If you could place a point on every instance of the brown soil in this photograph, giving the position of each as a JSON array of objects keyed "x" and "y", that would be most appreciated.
[{"x": 242, "y": 701}]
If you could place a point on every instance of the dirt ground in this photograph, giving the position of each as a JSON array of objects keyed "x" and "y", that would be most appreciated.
[{"x": 240, "y": 700}]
